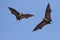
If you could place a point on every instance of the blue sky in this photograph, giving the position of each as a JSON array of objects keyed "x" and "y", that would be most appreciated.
[{"x": 12, "y": 29}]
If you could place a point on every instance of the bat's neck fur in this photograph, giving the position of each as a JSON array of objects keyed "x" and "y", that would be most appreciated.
[
  {"x": 45, "y": 19},
  {"x": 20, "y": 13}
]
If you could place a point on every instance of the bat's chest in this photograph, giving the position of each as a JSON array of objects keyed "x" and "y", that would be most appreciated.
[
  {"x": 45, "y": 19},
  {"x": 20, "y": 16}
]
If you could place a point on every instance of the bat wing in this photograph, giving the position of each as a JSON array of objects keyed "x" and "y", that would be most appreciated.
[
  {"x": 13, "y": 11},
  {"x": 46, "y": 20},
  {"x": 40, "y": 25},
  {"x": 27, "y": 15},
  {"x": 18, "y": 15},
  {"x": 48, "y": 12}
]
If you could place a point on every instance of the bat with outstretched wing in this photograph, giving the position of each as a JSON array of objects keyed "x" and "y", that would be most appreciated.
[
  {"x": 46, "y": 20},
  {"x": 18, "y": 15}
]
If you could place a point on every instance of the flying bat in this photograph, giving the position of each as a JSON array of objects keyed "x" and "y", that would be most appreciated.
[
  {"x": 18, "y": 15},
  {"x": 46, "y": 20}
]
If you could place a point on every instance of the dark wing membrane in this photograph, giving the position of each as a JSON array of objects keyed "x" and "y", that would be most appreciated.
[
  {"x": 40, "y": 25},
  {"x": 13, "y": 11},
  {"x": 48, "y": 12},
  {"x": 28, "y": 15}
]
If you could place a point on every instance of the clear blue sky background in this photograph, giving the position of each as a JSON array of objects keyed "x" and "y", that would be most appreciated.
[{"x": 12, "y": 29}]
